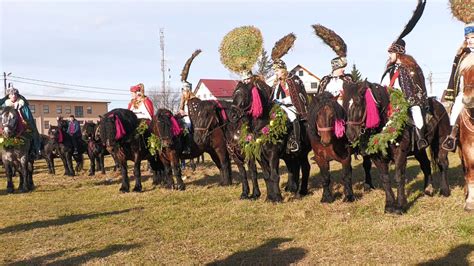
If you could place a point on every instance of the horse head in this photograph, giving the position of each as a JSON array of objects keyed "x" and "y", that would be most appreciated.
[
  {"x": 107, "y": 129},
  {"x": 162, "y": 127},
  {"x": 10, "y": 121},
  {"x": 327, "y": 117},
  {"x": 53, "y": 133},
  {"x": 206, "y": 121},
  {"x": 251, "y": 98},
  {"x": 467, "y": 72},
  {"x": 241, "y": 98},
  {"x": 89, "y": 130},
  {"x": 354, "y": 104}
]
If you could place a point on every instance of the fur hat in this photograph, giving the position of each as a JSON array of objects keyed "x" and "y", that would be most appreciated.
[
  {"x": 12, "y": 91},
  {"x": 469, "y": 28},
  {"x": 338, "y": 62},
  {"x": 187, "y": 86},
  {"x": 246, "y": 74},
  {"x": 279, "y": 64},
  {"x": 397, "y": 47}
]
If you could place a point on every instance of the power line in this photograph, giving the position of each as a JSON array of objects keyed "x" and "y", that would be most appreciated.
[{"x": 65, "y": 84}]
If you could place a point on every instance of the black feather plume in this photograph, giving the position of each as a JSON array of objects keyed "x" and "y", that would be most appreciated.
[{"x": 414, "y": 19}]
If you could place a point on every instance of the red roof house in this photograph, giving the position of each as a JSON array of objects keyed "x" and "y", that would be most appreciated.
[{"x": 211, "y": 89}]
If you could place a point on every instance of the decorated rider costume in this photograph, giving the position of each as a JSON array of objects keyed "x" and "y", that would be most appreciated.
[
  {"x": 454, "y": 92},
  {"x": 404, "y": 73},
  {"x": 334, "y": 82},
  {"x": 141, "y": 105},
  {"x": 289, "y": 91}
]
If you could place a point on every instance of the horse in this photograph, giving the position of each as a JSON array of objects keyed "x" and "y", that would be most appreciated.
[
  {"x": 215, "y": 116},
  {"x": 166, "y": 128},
  {"x": 328, "y": 141},
  {"x": 49, "y": 150},
  {"x": 118, "y": 131},
  {"x": 17, "y": 147},
  {"x": 65, "y": 147},
  {"x": 355, "y": 104},
  {"x": 216, "y": 149},
  {"x": 466, "y": 130},
  {"x": 271, "y": 152},
  {"x": 95, "y": 148}
]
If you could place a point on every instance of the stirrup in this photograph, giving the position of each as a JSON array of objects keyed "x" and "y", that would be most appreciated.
[
  {"x": 449, "y": 144},
  {"x": 293, "y": 147},
  {"x": 422, "y": 144}
]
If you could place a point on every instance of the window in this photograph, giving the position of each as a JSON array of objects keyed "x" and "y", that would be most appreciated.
[
  {"x": 45, "y": 109},
  {"x": 78, "y": 111},
  {"x": 314, "y": 85},
  {"x": 300, "y": 73},
  {"x": 46, "y": 124},
  {"x": 59, "y": 109},
  {"x": 32, "y": 108},
  {"x": 89, "y": 110},
  {"x": 67, "y": 109}
]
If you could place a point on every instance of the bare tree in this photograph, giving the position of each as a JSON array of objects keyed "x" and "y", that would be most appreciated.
[
  {"x": 169, "y": 98},
  {"x": 264, "y": 65}
]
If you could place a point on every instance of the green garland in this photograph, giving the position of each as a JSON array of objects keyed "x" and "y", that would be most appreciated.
[
  {"x": 252, "y": 145},
  {"x": 11, "y": 142},
  {"x": 142, "y": 127},
  {"x": 395, "y": 125},
  {"x": 154, "y": 144}
]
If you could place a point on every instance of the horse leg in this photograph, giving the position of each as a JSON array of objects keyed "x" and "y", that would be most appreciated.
[
  {"x": 305, "y": 169},
  {"x": 400, "y": 179},
  {"x": 469, "y": 206},
  {"x": 440, "y": 156},
  {"x": 69, "y": 164},
  {"x": 293, "y": 176},
  {"x": 79, "y": 162},
  {"x": 347, "y": 175},
  {"x": 382, "y": 166},
  {"x": 92, "y": 159},
  {"x": 367, "y": 164},
  {"x": 221, "y": 158},
  {"x": 125, "y": 180},
  {"x": 425, "y": 166},
  {"x": 138, "y": 176},
  {"x": 66, "y": 167},
  {"x": 9, "y": 173},
  {"x": 253, "y": 175},
  {"x": 24, "y": 173},
  {"x": 30, "y": 165},
  {"x": 243, "y": 179},
  {"x": 274, "y": 194},
  {"x": 102, "y": 163},
  {"x": 51, "y": 161},
  {"x": 324, "y": 169}
]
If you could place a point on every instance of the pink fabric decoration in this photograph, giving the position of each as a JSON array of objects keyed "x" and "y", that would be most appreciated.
[
  {"x": 256, "y": 109},
  {"x": 175, "y": 129},
  {"x": 20, "y": 128},
  {"x": 119, "y": 130},
  {"x": 60, "y": 136},
  {"x": 339, "y": 128},
  {"x": 372, "y": 119},
  {"x": 223, "y": 114}
]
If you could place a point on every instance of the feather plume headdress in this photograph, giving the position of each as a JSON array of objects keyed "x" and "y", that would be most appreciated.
[{"x": 280, "y": 49}]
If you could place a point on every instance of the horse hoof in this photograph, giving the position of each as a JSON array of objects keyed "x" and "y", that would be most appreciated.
[
  {"x": 124, "y": 190},
  {"x": 349, "y": 198},
  {"x": 327, "y": 199},
  {"x": 255, "y": 196},
  {"x": 368, "y": 187},
  {"x": 181, "y": 187},
  {"x": 303, "y": 193},
  {"x": 91, "y": 174},
  {"x": 244, "y": 197},
  {"x": 137, "y": 189},
  {"x": 429, "y": 191},
  {"x": 10, "y": 190},
  {"x": 275, "y": 199},
  {"x": 392, "y": 210},
  {"x": 445, "y": 192}
]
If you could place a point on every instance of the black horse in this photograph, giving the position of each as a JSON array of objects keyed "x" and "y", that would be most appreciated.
[
  {"x": 437, "y": 128},
  {"x": 49, "y": 150},
  {"x": 272, "y": 152},
  {"x": 95, "y": 148},
  {"x": 215, "y": 116},
  {"x": 16, "y": 152},
  {"x": 66, "y": 149},
  {"x": 118, "y": 130}
]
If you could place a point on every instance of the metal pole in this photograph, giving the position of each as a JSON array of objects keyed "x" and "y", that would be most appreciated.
[{"x": 5, "y": 83}]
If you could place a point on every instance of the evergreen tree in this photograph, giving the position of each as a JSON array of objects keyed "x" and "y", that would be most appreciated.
[
  {"x": 356, "y": 74},
  {"x": 264, "y": 65}
]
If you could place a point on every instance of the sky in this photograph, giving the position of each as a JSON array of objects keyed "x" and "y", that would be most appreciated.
[{"x": 116, "y": 44}]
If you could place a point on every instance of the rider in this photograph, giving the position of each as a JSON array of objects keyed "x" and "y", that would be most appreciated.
[
  {"x": 405, "y": 73},
  {"x": 184, "y": 112},
  {"x": 333, "y": 83},
  {"x": 291, "y": 95},
  {"x": 141, "y": 105},
  {"x": 74, "y": 130},
  {"x": 16, "y": 100},
  {"x": 454, "y": 92}
]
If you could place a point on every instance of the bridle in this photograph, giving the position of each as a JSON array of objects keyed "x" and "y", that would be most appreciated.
[
  {"x": 207, "y": 130},
  {"x": 360, "y": 123}
]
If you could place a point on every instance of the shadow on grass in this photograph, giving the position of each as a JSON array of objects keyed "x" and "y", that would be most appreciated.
[
  {"x": 80, "y": 259},
  {"x": 456, "y": 256},
  {"x": 266, "y": 254},
  {"x": 61, "y": 220}
]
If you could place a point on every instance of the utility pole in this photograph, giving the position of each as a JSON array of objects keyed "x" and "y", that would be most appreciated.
[
  {"x": 430, "y": 79},
  {"x": 5, "y": 75},
  {"x": 163, "y": 69}
]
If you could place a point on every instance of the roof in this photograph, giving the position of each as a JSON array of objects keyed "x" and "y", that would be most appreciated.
[
  {"x": 63, "y": 99},
  {"x": 305, "y": 69},
  {"x": 220, "y": 88}
]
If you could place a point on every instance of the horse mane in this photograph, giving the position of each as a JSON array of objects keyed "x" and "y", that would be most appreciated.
[
  {"x": 351, "y": 90},
  {"x": 128, "y": 118},
  {"x": 163, "y": 116},
  {"x": 467, "y": 63},
  {"x": 319, "y": 101}
]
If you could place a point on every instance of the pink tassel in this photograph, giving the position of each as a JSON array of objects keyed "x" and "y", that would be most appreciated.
[
  {"x": 60, "y": 137},
  {"x": 256, "y": 109},
  {"x": 119, "y": 130},
  {"x": 372, "y": 118},
  {"x": 223, "y": 114},
  {"x": 175, "y": 129},
  {"x": 339, "y": 128}
]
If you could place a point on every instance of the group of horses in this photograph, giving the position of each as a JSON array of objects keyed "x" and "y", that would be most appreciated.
[{"x": 217, "y": 129}]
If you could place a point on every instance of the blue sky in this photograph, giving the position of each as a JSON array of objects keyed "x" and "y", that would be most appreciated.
[{"x": 115, "y": 44}]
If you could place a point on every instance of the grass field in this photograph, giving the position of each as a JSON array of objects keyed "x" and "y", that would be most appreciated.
[{"x": 86, "y": 220}]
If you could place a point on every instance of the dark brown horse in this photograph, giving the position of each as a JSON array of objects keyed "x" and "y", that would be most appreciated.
[
  {"x": 398, "y": 151},
  {"x": 272, "y": 152},
  {"x": 95, "y": 148},
  {"x": 328, "y": 141},
  {"x": 118, "y": 130},
  {"x": 466, "y": 130},
  {"x": 219, "y": 116}
]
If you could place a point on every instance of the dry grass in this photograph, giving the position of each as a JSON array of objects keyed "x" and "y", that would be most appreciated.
[{"x": 86, "y": 220}]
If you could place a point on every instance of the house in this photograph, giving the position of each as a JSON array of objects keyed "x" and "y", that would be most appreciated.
[
  {"x": 47, "y": 109},
  {"x": 310, "y": 80},
  {"x": 212, "y": 89}
]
